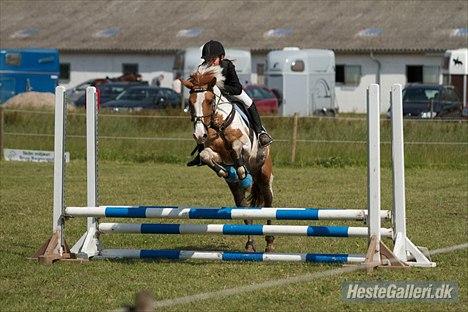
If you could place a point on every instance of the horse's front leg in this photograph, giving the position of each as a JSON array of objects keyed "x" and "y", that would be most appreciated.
[
  {"x": 212, "y": 160},
  {"x": 237, "y": 158}
]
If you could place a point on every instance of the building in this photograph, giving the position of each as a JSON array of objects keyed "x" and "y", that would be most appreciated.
[{"x": 374, "y": 41}]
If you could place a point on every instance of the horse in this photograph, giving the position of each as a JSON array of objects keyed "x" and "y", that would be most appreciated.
[{"x": 231, "y": 147}]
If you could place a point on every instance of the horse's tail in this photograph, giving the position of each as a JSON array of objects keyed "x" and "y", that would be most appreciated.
[{"x": 261, "y": 194}]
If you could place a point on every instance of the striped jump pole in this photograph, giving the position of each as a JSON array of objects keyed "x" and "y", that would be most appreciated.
[
  {"x": 225, "y": 213},
  {"x": 239, "y": 229},
  {"x": 228, "y": 256}
]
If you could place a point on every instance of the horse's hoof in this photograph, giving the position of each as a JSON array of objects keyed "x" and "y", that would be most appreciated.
[
  {"x": 269, "y": 249},
  {"x": 250, "y": 247},
  {"x": 222, "y": 174}
]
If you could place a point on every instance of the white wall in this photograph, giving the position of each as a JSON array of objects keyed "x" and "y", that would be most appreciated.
[
  {"x": 393, "y": 70},
  {"x": 90, "y": 66}
]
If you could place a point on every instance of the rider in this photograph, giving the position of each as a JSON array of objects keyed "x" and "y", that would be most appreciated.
[{"x": 213, "y": 53}]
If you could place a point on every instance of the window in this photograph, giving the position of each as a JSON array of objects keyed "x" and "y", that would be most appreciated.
[
  {"x": 13, "y": 59},
  {"x": 452, "y": 96},
  {"x": 431, "y": 74},
  {"x": 348, "y": 74},
  {"x": 278, "y": 33},
  {"x": 130, "y": 68},
  {"x": 259, "y": 93},
  {"x": 179, "y": 61},
  {"x": 422, "y": 74},
  {"x": 190, "y": 32},
  {"x": 64, "y": 72},
  {"x": 370, "y": 32},
  {"x": 261, "y": 74},
  {"x": 420, "y": 94},
  {"x": 297, "y": 66},
  {"x": 133, "y": 95},
  {"x": 107, "y": 33}
]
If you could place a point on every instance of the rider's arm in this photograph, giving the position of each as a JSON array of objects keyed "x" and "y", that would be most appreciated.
[{"x": 232, "y": 85}]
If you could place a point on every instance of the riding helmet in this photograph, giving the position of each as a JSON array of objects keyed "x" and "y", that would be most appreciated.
[{"x": 212, "y": 49}]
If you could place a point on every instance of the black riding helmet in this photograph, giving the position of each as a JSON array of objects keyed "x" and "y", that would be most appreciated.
[{"x": 212, "y": 49}]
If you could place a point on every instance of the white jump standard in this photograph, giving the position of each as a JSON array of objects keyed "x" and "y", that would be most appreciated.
[{"x": 405, "y": 253}]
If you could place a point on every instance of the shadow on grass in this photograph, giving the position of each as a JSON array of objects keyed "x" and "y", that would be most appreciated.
[{"x": 194, "y": 262}]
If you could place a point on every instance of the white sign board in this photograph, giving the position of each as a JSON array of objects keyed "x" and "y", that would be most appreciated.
[
  {"x": 28, "y": 155},
  {"x": 458, "y": 61}
]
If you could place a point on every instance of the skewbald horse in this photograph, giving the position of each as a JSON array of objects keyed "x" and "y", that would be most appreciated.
[{"x": 231, "y": 150}]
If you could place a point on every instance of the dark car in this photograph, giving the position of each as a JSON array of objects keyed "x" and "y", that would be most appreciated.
[
  {"x": 431, "y": 100},
  {"x": 109, "y": 91},
  {"x": 76, "y": 93},
  {"x": 144, "y": 97},
  {"x": 263, "y": 98}
]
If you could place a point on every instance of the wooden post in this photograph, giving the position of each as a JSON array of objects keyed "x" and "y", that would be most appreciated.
[
  {"x": 2, "y": 121},
  {"x": 294, "y": 139}
]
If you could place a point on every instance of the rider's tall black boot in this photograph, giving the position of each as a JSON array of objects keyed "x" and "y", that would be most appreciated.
[
  {"x": 263, "y": 137},
  {"x": 197, "y": 160}
]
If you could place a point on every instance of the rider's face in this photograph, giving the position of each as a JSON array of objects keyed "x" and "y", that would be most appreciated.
[{"x": 214, "y": 61}]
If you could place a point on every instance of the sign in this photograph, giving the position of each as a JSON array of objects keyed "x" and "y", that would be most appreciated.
[{"x": 28, "y": 155}]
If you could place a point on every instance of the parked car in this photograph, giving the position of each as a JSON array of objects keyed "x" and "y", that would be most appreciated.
[
  {"x": 75, "y": 94},
  {"x": 144, "y": 97},
  {"x": 264, "y": 98},
  {"x": 109, "y": 91},
  {"x": 430, "y": 100}
]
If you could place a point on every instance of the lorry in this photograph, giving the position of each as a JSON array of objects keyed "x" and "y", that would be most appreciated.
[
  {"x": 305, "y": 79},
  {"x": 23, "y": 70}
]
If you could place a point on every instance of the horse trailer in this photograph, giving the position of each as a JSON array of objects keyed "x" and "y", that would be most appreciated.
[
  {"x": 187, "y": 60},
  {"x": 24, "y": 70},
  {"x": 305, "y": 79}
]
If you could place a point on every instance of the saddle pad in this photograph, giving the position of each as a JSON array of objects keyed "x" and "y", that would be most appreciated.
[{"x": 242, "y": 114}]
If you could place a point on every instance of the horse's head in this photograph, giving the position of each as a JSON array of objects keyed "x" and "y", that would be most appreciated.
[{"x": 202, "y": 85}]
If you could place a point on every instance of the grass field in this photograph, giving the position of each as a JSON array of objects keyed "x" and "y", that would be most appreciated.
[
  {"x": 436, "y": 213},
  {"x": 324, "y": 142}
]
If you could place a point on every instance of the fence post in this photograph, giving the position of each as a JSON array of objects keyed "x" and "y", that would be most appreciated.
[
  {"x": 294, "y": 139},
  {"x": 2, "y": 122}
]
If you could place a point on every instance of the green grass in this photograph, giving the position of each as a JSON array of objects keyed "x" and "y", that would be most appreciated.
[
  {"x": 436, "y": 213},
  {"x": 352, "y": 152}
]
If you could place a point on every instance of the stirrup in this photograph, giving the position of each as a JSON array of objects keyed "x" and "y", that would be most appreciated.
[{"x": 264, "y": 142}]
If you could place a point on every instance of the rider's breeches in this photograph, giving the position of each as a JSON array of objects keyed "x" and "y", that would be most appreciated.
[{"x": 245, "y": 99}]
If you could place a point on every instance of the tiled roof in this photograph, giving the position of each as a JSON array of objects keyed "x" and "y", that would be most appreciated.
[{"x": 165, "y": 26}]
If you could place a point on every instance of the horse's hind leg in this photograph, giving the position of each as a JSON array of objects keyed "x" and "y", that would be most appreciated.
[
  {"x": 240, "y": 200},
  {"x": 250, "y": 244}
]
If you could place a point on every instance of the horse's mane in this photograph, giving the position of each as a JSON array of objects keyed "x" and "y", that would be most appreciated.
[{"x": 204, "y": 74}]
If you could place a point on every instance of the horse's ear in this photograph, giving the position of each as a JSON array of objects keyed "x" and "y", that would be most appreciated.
[{"x": 187, "y": 83}]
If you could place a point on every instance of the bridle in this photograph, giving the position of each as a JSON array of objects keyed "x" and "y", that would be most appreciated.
[{"x": 215, "y": 102}]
